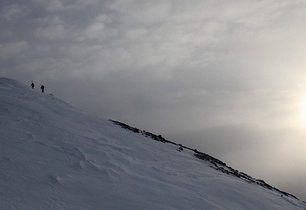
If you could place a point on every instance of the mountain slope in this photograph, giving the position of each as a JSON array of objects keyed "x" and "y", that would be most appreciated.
[{"x": 52, "y": 156}]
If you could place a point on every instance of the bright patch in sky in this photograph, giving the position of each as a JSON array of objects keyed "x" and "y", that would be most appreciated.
[{"x": 304, "y": 111}]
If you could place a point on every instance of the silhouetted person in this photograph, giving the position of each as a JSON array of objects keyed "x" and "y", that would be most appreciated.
[
  {"x": 42, "y": 88},
  {"x": 32, "y": 85}
]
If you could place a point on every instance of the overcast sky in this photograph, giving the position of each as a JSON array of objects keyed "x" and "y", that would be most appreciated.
[{"x": 225, "y": 76}]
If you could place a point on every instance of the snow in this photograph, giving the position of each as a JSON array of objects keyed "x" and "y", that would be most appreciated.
[{"x": 53, "y": 156}]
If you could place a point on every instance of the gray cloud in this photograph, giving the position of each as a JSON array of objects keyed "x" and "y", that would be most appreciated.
[
  {"x": 224, "y": 76},
  {"x": 10, "y": 49}
]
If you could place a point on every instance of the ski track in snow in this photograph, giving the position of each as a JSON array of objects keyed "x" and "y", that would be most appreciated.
[{"x": 53, "y": 156}]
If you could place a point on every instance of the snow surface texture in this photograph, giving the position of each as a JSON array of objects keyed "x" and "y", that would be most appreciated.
[{"x": 52, "y": 156}]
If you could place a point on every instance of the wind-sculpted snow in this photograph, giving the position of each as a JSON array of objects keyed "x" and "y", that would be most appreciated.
[{"x": 53, "y": 156}]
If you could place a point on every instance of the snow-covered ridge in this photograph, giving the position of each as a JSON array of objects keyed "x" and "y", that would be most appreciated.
[
  {"x": 53, "y": 156},
  {"x": 215, "y": 163}
]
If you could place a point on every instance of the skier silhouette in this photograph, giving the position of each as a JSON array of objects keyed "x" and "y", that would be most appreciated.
[
  {"x": 42, "y": 87},
  {"x": 32, "y": 85}
]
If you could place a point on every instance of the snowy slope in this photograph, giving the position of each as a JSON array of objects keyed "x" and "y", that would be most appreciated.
[{"x": 53, "y": 156}]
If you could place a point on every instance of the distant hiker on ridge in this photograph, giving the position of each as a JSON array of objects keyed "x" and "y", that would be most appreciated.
[
  {"x": 42, "y": 87},
  {"x": 32, "y": 85}
]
